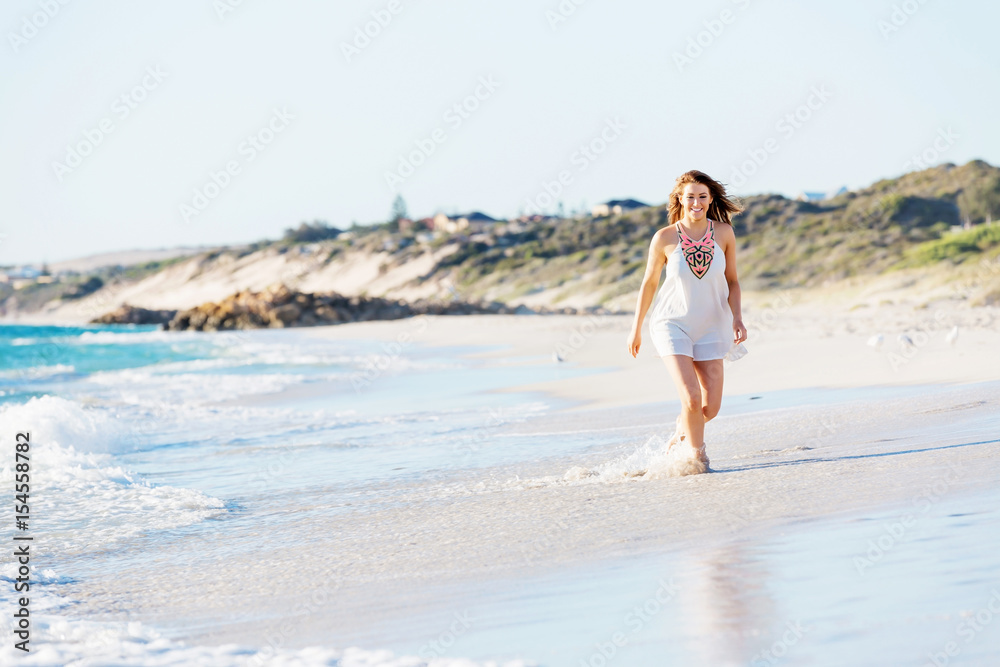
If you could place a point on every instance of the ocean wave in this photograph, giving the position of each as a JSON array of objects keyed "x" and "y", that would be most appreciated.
[
  {"x": 37, "y": 372},
  {"x": 106, "y": 337},
  {"x": 57, "y": 641},
  {"x": 144, "y": 386},
  {"x": 26, "y": 341},
  {"x": 81, "y": 499}
]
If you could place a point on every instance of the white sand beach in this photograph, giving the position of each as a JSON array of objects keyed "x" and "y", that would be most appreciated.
[
  {"x": 796, "y": 340},
  {"x": 545, "y": 518}
]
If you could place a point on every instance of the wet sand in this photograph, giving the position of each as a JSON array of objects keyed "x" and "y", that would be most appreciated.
[
  {"x": 386, "y": 574},
  {"x": 817, "y": 429}
]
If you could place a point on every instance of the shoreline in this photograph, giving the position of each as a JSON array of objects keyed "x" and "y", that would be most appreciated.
[
  {"x": 861, "y": 464},
  {"x": 394, "y": 564},
  {"x": 791, "y": 346},
  {"x": 793, "y": 343}
]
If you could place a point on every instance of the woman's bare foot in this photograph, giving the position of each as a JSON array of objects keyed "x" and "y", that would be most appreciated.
[{"x": 702, "y": 456}]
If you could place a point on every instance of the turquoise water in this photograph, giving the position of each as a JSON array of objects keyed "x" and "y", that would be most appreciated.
[
  {"x": 32, "y": 356},
  {"x": 187, "y": 396}
]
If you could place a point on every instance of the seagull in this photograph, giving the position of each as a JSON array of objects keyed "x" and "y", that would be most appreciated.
[
  {"x": 876, "y": 341},
  {"x": 905, "y": 341},
  {"x": 952, "y": 335}
]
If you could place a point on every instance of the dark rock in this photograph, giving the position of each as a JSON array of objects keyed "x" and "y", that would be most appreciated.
[
  {"x": 278, "y": 307},
  {"x": 127, "y": 314},
  {"x": 287, "y": 313}
]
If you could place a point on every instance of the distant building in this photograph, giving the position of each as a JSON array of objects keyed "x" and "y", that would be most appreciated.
[
  {"x": 536, "y": 217},
  {"x": 474, "y": 222},
  {"x": 820, "y": 196},
  {"x": 965, "y": 226},
  {"x": 482, "y": 237},
  {"x": 616, "y": 207},
  {"x": 20, "y": 273}
]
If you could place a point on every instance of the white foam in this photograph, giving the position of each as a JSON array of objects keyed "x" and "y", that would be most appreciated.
[
  {"x": 651, "y": 460},
  {"x": 24, "y": 341},
  {"x": 57, "y": 641},
  {"x": 81, "y": 500},
  {"x": 37, "y": 372},
  {"x": 129, "y": 337},
  {"x": 145, "y": 386}
]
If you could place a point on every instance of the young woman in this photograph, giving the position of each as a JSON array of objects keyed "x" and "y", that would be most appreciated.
[{"x": 696, "y": 321}]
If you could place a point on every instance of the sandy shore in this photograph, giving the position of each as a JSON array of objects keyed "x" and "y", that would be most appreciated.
[{"x": 392, "y": 573}]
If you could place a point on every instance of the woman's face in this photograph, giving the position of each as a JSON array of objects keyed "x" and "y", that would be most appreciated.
[{"x": 695, "y": 199}]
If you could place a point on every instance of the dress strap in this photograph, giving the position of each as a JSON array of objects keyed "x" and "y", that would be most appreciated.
[{"x": 709, "y": 233}]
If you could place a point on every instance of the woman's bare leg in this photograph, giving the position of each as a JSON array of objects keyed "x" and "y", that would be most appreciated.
[
  {"x": 692, "y": 419},
  {"x": 710, "y": 377}
]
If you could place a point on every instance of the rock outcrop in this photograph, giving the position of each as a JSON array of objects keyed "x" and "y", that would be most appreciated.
[
  {"x": 126, "y": 314},
  {"x": 280, "y": 307}
]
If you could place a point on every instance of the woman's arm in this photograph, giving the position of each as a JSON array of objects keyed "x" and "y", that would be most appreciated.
[
  {"x": 735, "y": 295},
  {"x": 650, "y": 281}
]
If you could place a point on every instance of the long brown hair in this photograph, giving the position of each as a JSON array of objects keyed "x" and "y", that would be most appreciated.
[{"x": 722, "y": 207}]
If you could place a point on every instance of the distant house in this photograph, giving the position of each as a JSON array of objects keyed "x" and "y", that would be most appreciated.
[
  {"x": 423, "y": 224},
  {"x": 966, "y": 225},
  {"x": 20, "y": 273},
  {"x": 616, "y": 207},
  {"x": 536, "y": 217},
  {"x": 474, "y": 222},
  {"x": 820, "y": 196}
]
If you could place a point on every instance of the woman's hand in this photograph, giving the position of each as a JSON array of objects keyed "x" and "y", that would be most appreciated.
[
  {"x": 634, "y": 341},
  {"x": 739, "y": 331}
]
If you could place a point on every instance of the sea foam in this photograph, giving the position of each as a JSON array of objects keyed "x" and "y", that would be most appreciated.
[
  {"x": 650, "y": 460},
  {"x": 81, "y": 500}
]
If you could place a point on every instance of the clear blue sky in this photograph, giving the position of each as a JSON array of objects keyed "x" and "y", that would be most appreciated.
[{"x": 888, "y": 95}]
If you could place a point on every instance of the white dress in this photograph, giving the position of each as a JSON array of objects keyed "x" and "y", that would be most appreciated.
[{"x": 690, "y": 313}]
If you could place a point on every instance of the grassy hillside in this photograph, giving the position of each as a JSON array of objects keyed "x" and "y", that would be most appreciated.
[{"x": 892, "y": 224}]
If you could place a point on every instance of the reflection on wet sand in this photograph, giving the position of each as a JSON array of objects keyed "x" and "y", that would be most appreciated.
[{"x": 726, "y": 607}]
